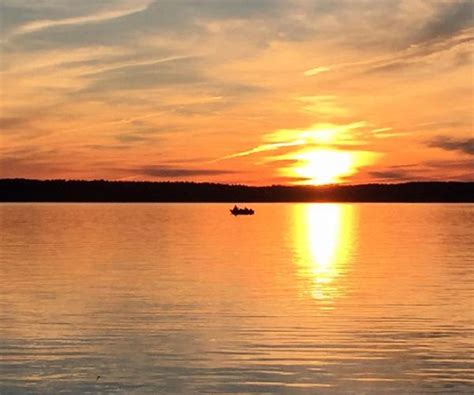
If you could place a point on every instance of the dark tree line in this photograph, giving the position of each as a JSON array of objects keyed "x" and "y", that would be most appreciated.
[{"x": 24, "y": 190}]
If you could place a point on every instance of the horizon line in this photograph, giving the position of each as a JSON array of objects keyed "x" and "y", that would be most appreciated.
[{"x": 237, "y": 184}]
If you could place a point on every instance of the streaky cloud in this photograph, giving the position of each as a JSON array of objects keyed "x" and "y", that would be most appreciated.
[
  {"x": 316, "y": 70},
  {"x": 261, "y": 148},
  {"x": 450, "y": 18},
  {"x": 464, "y": 145},
  {"x": 131, "y": 64},
  {"x": 411, "y": 56},
  {"x": 43, "y": 24},
  {"x": 400, "y": 175},
  {"x": 286, "y": 138},
  {"x": 177, "y": 172}
]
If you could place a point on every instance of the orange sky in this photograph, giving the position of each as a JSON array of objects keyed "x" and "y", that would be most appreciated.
[{"x": 259, "y": 92}]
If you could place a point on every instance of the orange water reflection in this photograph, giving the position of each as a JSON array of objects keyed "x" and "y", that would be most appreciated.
[{"x": 323, "y": 243}]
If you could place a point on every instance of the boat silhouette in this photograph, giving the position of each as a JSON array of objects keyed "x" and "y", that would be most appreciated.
[{"x": 242, "y": 211}]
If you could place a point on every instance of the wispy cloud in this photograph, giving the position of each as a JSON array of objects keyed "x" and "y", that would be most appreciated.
[
  {"x": 392, "y": 175},
  {"x": 421, "y": 53},
  {"x": 130, "y": 64},
  {"x": 464, "y": 145},
  {"x": 316, "y": 70},
  {"x": 38, "y": 25},
  {"x": 450, "y": 18},
  {"x": 263, "y": 148},
  {"x": 164, "y": 171},
  {"x": 322, "y": 134}
]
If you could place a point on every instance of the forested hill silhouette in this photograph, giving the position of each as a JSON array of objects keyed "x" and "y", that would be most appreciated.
[{"x": 25, "y": 190}]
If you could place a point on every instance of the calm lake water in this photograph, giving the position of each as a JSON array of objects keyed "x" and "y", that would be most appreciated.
[{"x": 185, "y": 298}]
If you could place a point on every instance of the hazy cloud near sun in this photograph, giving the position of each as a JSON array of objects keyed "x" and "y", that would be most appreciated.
[{"x": 219, "y": 77}]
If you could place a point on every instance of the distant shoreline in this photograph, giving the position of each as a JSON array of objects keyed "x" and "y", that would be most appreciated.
[{"x": 101, "y": 191}]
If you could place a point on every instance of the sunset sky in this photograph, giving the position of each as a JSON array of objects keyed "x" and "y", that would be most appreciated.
[{"x": 257, "y": 92}]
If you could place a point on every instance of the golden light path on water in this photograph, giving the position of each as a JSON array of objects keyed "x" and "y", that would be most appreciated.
[{"x": 324, "y": 239}]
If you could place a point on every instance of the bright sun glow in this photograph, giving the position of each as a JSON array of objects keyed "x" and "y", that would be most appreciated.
[
  {"x": 323, "y": 166},
  {"x": 317, "y": 160}
]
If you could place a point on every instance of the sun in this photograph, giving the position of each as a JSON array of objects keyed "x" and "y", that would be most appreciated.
[
  {"x": 320, "y": 155},
  {"x": 323, "y": 166}
]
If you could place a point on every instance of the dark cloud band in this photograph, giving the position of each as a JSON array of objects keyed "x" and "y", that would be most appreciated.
[{"x": 453, "y": 144}]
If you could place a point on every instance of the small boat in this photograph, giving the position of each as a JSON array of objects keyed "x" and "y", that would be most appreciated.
[{"x": 242, "y": 211}]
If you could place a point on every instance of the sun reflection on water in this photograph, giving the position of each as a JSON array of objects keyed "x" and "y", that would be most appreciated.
[{"x": 323, "y": 240}]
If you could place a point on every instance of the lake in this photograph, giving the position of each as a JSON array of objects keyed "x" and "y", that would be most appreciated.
[{"x": 185, "y": 298}]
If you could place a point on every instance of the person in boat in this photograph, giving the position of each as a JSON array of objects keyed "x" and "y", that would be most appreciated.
[{"x": 237, "y": 211}]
